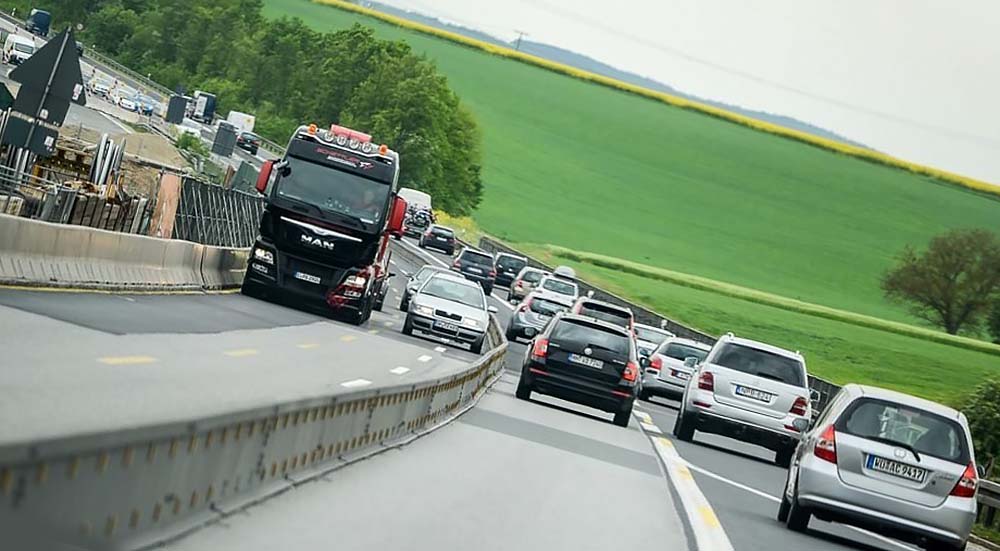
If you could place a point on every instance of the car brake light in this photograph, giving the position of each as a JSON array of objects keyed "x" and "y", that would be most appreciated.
[
  {"x": 519, "y": 284},
  {"x": 656, "y": 363},
  {"x": 540, "y": 349},
  {"x": 799, "y": 407},
  {"x": 826, "y": 445},
  {"x": 456, "y": 264},
  {"x": 706, "y": 381},
  {"x": 968, "y": 483},
  {"x": 631, "y": 372},
  {"x": 526, "y": 304},
  {"x": 493, "y": 273}
]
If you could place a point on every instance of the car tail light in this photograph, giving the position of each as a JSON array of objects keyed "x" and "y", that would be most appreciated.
[
  {"x": 519, "y": 284},
  {"x": 525, "y": 305},
  {"x": 826, "y": 445},
  {"x": 456, "y": 264},
  {"x": 540, "y": 349},
  {"x": 656, "y": 363},
  {"x": 706, "y": 381},
  {"x": 493, "y": 273},
  {"x": 799, "y": 407},
  {"x": 967, "y": 485},
  {"x": 631, "y": 372}
]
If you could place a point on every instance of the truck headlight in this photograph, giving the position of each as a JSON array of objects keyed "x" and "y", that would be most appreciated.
[
  {"x": 264, "y": 256},
  {"x": 471, "y": 322},
  {"x": 423, "y": 310}
]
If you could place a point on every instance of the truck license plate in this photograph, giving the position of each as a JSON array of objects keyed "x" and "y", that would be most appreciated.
[{"x": 307, "y": 277}]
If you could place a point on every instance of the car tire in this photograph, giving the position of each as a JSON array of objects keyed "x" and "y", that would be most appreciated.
[
  {"x": 488, "y": 289},
  {"x": 644, "y": 395},
  {"x": 407, "y": 326},
  {"x": 935, "y": 545},
  {"x": 684, "y": 427},
  {"x": 477, "y": 347},
  {"x": 523, "y": 391},
  {"x": 783, "y": 457},
  {"x": 511, "y": 334},
  {"x": 798, "y": 516},
  {"x": 404, "y": 302},
  {"x": 622, "y": 417},
  {"x": 783, "y": 508}
]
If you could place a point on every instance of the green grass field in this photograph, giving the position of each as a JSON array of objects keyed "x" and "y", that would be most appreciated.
[{"x": 593, "y": 169}]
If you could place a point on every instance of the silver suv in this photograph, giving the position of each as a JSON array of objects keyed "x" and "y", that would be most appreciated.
[
  {"x": 887, "y": 461},
  {"x": 748, "y": 390}
]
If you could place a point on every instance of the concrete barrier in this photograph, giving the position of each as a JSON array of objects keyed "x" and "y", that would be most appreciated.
[
  {"x": 138, "y": 488},
  {"x": 36, "y": 253}
]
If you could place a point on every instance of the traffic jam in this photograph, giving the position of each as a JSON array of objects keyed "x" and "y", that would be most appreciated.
[{"x": 888, "y": 463}]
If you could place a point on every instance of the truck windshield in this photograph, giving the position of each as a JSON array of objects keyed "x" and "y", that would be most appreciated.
[
  {"x": 329, "y": 189},
  {"x": 24, "y": 48}
]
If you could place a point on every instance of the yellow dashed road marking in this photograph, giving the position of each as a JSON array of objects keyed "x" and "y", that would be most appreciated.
[
  {"x": 308, "y": 345},
  {"x": 241, "y": 352},
  {"x": 126, "y": 360},
  {"x": 708, "y": 516},
  {"x": 348, "y": 338}
]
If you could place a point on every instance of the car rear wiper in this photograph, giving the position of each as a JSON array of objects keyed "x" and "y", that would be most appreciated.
[
  {"x": 892, "y": 442},
  {"x": 601, "y": 347}
]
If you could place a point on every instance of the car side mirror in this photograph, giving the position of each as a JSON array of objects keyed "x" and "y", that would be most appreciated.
[
  {"x": 814, "y": 396},
  {"x": 264, "y": 177},
  {"x": 590, "y": 294},
  {"x": 491, "y": 309},
  {"x": 981, "y": 470},
  {"x": 690, "y": 361},
  {"x": 644, "y": 361},
  {"x": 801, "y": 424}
]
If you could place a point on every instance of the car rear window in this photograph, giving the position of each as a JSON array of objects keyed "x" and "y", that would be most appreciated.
[
  {"x": 651, "y": 335},
  {"x": 761, "y": 363},
  {"x": 546, "y": 307},
  {"x": 682, "y": 352},
  {"x": 478, "y": 258},
  {"x": 532, "y": 276},
  {"x": 584, "y": 334},
  {"x": 606, "y": 313},
  {"x": 891, "y": 422},
  {"x": 444, "y": 232},
  {"x": 559, "y": 286},
  {"x": 511, "y": 263}
]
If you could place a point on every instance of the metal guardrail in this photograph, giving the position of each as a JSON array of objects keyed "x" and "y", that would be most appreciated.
[
  {"x": 989, "y": 503},
  {"x": 137, "y": 488},
  {"x": 213, "y": 215}
]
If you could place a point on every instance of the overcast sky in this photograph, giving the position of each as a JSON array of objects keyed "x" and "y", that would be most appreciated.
[{"x": 918, "y": 79}]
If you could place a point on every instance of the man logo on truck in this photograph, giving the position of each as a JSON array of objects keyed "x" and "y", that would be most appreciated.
[{"x": 317, "y": 242}]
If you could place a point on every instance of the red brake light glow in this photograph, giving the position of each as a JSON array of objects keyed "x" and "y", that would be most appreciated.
[
  {"x": 706, "y": 381},
  {"x": 826, "y": 445},
  {"x": 524, "y": 305},
  {"x": 799, "y": 407},
  {"x": 966, "y": 486},
  {"x": 631, "y": 372},
  {"x": 540, "y": 349}
]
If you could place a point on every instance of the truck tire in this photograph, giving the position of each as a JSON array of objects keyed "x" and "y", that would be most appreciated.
[
  {"x": 380, "y": 301},
  {"x": 251, "y": 289}
]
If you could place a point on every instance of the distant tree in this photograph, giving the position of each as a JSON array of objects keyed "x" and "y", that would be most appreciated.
[
  {"x": 952, "y": 283},
  {"x": 993, "y": 321},
  {"x": 982, "y": 408}
]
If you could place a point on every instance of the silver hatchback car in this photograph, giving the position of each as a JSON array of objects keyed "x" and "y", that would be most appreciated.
[
  {"x": 899, "y": 465},
  {"x": 749, "y": 390}
]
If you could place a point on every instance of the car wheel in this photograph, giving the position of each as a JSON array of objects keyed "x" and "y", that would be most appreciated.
[
  {"x": 798, "y": 516},
  {"x": 622, "y": 417},
  {"x": 783, "y": 457},
  {"x": 644, "y": 395},
  {"x": 407, "y": 326},
  {"x": 477, "y": 347},
  {"x": 523, "y": 391},
  {"x": 404, "y": 302},
  {"x": 684, "y": 427},
  {"x": 511, "y": 334},
  {"x": 935, "y": 545},
  {"x": 783, "y": 508},
  {"x": 488, "y": 289}
]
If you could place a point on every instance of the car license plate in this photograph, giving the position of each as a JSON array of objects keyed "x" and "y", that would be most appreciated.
[
  {"x": 753, "y": 394},
  {"x": 307, "y": 277},
  {"x": 475, "y": 270},
  {"x": 586, "y": 360},
  {"x": 445, "y": 326},
  {"x": 895, "y": 468},
  {"x": 445, "y": 239},
  {"x": 682, "y": 375}
]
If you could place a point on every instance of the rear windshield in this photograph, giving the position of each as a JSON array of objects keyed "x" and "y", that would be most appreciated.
[
  {"x": 651, "y": 335},
  {"x": 546, "y": 307},
  {"x": 478, "y": 258},
  {"x": 589, "y": 335},
  {"x": 559, "y": 286},
  {"x": 762, "y": 364},
  {"x": 889, "y": 422},
  {"x": 445, "y": 232},
  {"x": 511, "y": 263},
  {"x": 24, "y": 48},
  {"x": 605, "y": 313},
  {"x": 532, "y": 276},
  {"x": 682, "y": 352}
]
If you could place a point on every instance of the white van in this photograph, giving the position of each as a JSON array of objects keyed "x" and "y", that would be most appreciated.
[
  {"x": 415, "y": 198},
  {"x": 17, "y": 49}
]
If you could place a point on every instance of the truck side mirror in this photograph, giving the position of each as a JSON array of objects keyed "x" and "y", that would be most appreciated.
[
  {"x": 264, "y": 177},
  {"x": 397, "y": 216}
]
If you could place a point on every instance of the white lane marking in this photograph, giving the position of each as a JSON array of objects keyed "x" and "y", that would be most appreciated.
[
  {"x": 392, "y": 262},
  {"x": 440, "y": 349},
  {"x": 708, "y": 531},
  {"x": 643, "y": 416},
  {"x": 391, "y": 290},
  {"x": 387, "y": 323},
  {"x": 506, "y": 304},
  {"x": 424, "y": 358},
  {"x": 651, "y": 428},
  {"x": 399, "y": 370},
  {"x": 355, "y": 383}
]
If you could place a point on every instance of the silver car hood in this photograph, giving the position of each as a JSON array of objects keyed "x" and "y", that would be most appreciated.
[{"x": 451, "y": 307}]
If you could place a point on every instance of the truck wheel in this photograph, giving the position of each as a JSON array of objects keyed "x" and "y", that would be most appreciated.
[
  {"x": 379, "y": 302},
  {"x": 407, "y": 326},
  {"x": 251, "y": 289}
]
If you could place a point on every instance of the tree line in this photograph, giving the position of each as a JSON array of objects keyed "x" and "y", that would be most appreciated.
[{"x": 287, "y": 74}]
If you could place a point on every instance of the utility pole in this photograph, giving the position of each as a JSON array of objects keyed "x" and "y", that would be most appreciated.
[{"x": 517, "y": 43}]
